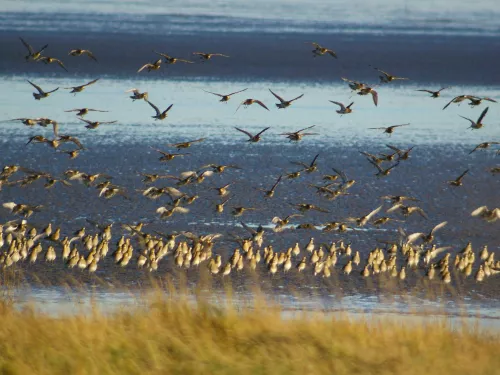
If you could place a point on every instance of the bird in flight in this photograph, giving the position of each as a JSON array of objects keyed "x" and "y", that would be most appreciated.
[
  {"x": 77, "y": 89},
  {"x": 458, "y": 181},
  {"x": 79, "y": 52},
  {"x": 284, "y": 103},
  {"x": 343, "y": 109},
  {"x": 390, "y": 129},
  {"x": 95, "y": 124},
  {"x": 434, "y": 94},
  {"x": 248, "y": 102},
  {"x": 483, "y": 146},
  {"x": 225, "y": 98},
  {"x": 32, "y": 54},
  {"x": 172, "y": 60},
  {"x": 84, "y": 111},
  {"x": 386, "y": 77},
  {"x": 298, "y": 135},
  {"x": 50, "y": 60},
  {"x": 320, "y": 51},
  {"x": 479, "y": 123},
  {"x": 187, "y": 144},
  {"x": 369, "y": 90},
  {"x": 150, "y": 66},
  {"x": 137, "y": 94},
  {"x": 252, "y": 138},
  {"x": 41, "y": 94},
  {"x": 207, "y": 56},
  {"x": 159, "y": 114}
]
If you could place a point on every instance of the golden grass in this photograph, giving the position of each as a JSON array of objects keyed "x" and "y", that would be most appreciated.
[{"x": 177, "y": 336}]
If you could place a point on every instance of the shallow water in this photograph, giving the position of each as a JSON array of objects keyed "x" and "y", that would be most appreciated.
[{"x": 265, "y": 54}]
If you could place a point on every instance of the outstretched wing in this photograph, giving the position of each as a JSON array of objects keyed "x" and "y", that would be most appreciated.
[
  {"x": 36, "y": 87},
  {"x": 277, "y": 96},
  {"x": 482, "y": 115},
  {"x": 261, "y": 104},
  {"x": 158, "y": 112},
  {"x": 244, "y": 131}
]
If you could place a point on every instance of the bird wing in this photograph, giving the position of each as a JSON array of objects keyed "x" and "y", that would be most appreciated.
[
  {"x": 143, "y": 67},
  {"x": 60, "y": 63},
  {"x": 374, "y": 212},
  {"x": 374, "y": 97},
  {"x": 298, "y": 97},
  {"x": 395, "y": 207},
  {"x": 490, "y": 100},
  {"x": 413, "y": 237},
  {"x": 30, "y": 49},
  {"x": 50, "y": 92},
  {"x": 87, "y": 121},
  {"x": 314, "y": 160},
  {"x": 332, "y": 53},
  {"x": 36, "y": 87},
  {"x": 429, "y": 91},
  {"x": 90, "y": 54},
  {"x": 451, "y": 101},
  {"x": 262, "y": 131},
  {"x": 244, "y": 131},
  {"x": 342, "y": 107},
  {"x": 439, "y": 226},
  {"x": 214, "y": 93},
  {"x": 261, "y": 104},
  {"x": 482, "y": 115},
  {"x": 277, "y": 96},
  {"x": 91, "y": 82},
  {"x": 479, "y": 211},
  {"x": 158, "y": 113},
  {"x": 55, "y": 128},
  {"x": 236, "y": 92},
  {"x": 341, "y": 174},
  {"x": 472, "y": 122},
  {"x": 168, "y": 109},
  {"x": 375, "y": 164},
  {"x": 301, "y": 130},
  {"x": 135, "y": 91},
  {"x": 381, "y": 71}
]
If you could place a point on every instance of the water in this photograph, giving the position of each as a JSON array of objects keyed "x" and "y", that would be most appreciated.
[{"x": 267, "y": 44}]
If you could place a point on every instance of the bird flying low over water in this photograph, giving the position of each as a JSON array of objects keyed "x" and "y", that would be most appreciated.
[
  {"x": 390, "y": 129},
  {"x": 41, "y": 94},
  {"x": 386, "y": 77},
  {"x": 434, "y": 94},
  {"x": 159, "y": 114},
  {"x": 32, "y": 54},
  {"x": 488, "y": 215},
  {"x": 95, "y": 124},
  {"x": 484, "y": 146},
  {"x": 299, "y": 134},
  {"x": 284, "y": 103},
  {"x": 51, "y": 60},
  {"x": 79, "y": 52},
  {"x": 320, "y": 51},
  {"x": 225, "y": 98},
  {"x": 479, "y": 123},
  {"x": 77, "y": 89},
  {"x": 248, "y": 102},
  {"x": 84, "y": 111},
  {"x": 343, "y": 109},
  {"x": 137, "y": 95},
  {"x": 151, "y": 66},
  {"x": 252, "y": 138},
  {"x": 207, "y": 56},
  {"x": 172, "y": 60}
]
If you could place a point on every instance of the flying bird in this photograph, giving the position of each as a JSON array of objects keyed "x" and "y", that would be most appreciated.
[
  {"x": 390, "y": 129},
  {"x": 159, "y": 114},
  {"x": 386, "y": 77},
  {"x": 77, "y": 89},
  {"x": 225, "y": 98},
  {"x": 207, "y": 56},
  {"x": 343, "y": 109},
  {"x": 298, "y": 135},
  {"x": 320, "y": 51},
  {"x": 51, "y": 60},
  {"x": 248, "y": 102},
  {"x": 477, "y": 124},
  {"x": 79, "y": 52},
  {"x": 434, "y": 94},
  {"x": 252, "y": 138},
  {"x": 41, "y": 94},
  {"x": 284, "y": 103},
  {"x": 32, "y": 54}
]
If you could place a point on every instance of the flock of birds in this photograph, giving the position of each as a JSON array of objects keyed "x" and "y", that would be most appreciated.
[{"x": 86, "y": 247}]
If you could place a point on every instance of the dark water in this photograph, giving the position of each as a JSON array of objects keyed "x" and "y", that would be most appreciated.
[{"x": 264, "y": 54}]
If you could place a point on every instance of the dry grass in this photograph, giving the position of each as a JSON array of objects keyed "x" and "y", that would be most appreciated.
[{"x": 182, "y": 337}]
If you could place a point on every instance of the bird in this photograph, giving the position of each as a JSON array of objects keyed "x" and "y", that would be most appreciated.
[
  {"x": 303, "y": 207},
  {"x": 270, "y": 193},
  {"x": 155, "y": 65},
  {"x": 390, "y": 129},
  {"x": 298, "y": 135},
  {"x": 483, "y": 146},
  {"x": 309, "y": 168},
  {"x": 248, "y": 102},
  {"x": 354, "y": 85},
  {"x": 32, "y": 54},
  {"x": 320, "y": 51},
  {"x": 44, "y": 122},
  {"x": 458, "y": 99},
  {"x": 138, "y": 95},
  {"x": 172, "y": 60},
  {"x": 427, "y": 238},
  {"x": 343, "y": 109},
  {"x": 159, "y": 115},
  {"x": 458, "y": 181},
  {"x": 284, "y": 103},
  {"x": 68, "y": 138},
  {"x": 77, "y": 89},
  {"x": 41, "y": 94},
  {"x": 280, "y": 223},
  {"x": 475, "y": 100},
  {"x": 252, "y": 138},
  {"x": 477, "y": 124},
  {"x": 166, "y": 156},
  {"x": 187, "y": 144},
  {"x": 225, "y": 98},
  {"x": 79, "y": 52},
  {"x": 363, "y": 220},
  {"x": 386, "y": 77},
  {"x": 207, "y": 56},
  {"x": 95, "y": 124},
  {"x": 50, "y": 60},
  {"x": 407, "y": 210},
  {"x": 84, "y": 111},
  {"x": 434, "y": 94},
  {"x": 369, "y": 90},
  {"x": 488, "y": 215},
  {"x": 382, "y": 172}
]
